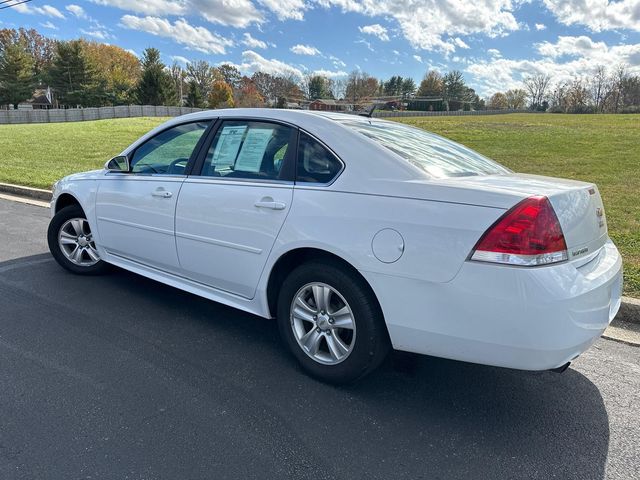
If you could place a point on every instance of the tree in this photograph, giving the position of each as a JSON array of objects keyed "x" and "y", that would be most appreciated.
[
  {"x": 119, "y": 69},
  {"x": 360, "y": 87},
  {"x": 17, "y": 75},
  {"x": 454, "y": 90},
  {"x": 194, "y": 95},
  {"x": 318, "y": 87},
  {"x": 498, "y": 101},
  {"x": 221, "y": 95},
  {"x": 393, "y": 86},
  {"x": 408, "y": 87},
  {"x": 40, "y": 48},
  {"x": 266, "y": 85},
  {"x": 431, "y": 85},
  {"x": 516, "y": 98},
  {"x": 74, "y": 77},
  {"x": 155, "y": 86},
  {"x": 537, "y": 86},
  {"x": 231, "y": 75},
  {"x": 600, "y": 87},
  {"x": 247, "y": 94},
  {"x": 179, "y": 77},
  {"x": 203, "y": 75}
]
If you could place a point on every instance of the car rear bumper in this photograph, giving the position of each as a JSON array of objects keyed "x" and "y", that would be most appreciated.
[{"x": 524, "y": 318}]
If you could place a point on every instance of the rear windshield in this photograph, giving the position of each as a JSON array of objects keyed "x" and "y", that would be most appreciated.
[{"x": 435, "y": 155}]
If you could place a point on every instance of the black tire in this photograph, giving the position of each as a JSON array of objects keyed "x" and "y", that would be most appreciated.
[
  {"x": 57, "y": 222},
  {"x": 371, "y": 344}
]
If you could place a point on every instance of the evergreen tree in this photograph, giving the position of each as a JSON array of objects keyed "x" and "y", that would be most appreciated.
[
  {"x": 194, "y": 95},
  {"x": 74, "y": 77},
  {"x": 17, "y": 77},
  {"x": 156, "y": 87}
]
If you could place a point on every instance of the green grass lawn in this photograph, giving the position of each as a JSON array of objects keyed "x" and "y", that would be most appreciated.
[
  {"x": 37, "y": 155},
  {"x": 604, "y": 149}
]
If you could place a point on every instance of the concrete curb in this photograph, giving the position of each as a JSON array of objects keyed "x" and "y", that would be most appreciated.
[
  {"x": 629, "y": 309},
  {"x": 28, "y": 192}
]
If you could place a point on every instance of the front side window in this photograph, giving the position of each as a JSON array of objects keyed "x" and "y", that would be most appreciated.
[
  {"x": 434, "y": 155},
  {"x": 168, "y": 152},
  {"x": 249, "y": 150},
  {"x": 316, "y": 164}
]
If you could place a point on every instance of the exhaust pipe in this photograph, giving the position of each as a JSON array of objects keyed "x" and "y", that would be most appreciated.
[{"x": 561, "y": 368}]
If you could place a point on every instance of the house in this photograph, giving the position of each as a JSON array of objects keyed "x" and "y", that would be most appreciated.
[{"x": 326, "y": 105}]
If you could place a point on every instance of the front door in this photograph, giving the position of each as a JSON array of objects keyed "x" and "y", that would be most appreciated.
[
  {"x": 228, "y": 217},
  {"x": 136, "y": 210}
]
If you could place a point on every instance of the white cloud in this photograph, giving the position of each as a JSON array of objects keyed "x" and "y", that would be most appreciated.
[
  {"x": 251, "y": 42},
  {"x": 286, "y": 9},
  {"x": 584, "y": 55},
  {"x": 460, "y": 43},
  {"x": 540, "y": 26},
  {"x": 254, "y": 62},
  {"x": 305, "y": 50},
  {"x": 163, "y": 7},
  {"x": 97, "y": 33},
  {"x": 193, "y": 38},
  {"x": 573, "y": 46},
  {"x": 46, "y": 10},
  {"x": 330, "y": 73},
  {"x": 180, "y": 59},
  {"x": 430, "y": 24},
  {"x": 77, "y": 11},
  {"x": 597, "y": 15},
  {"x": 50, "y": 25},
  {"x": 417, "y": 58},
  {"x": 132, "y": 52},
  {"x": 235, "y": 13},
  {"x": 337, "y": 62},
  {"x": 376, "y": 30},
  {"x": 494, "y": 52}
]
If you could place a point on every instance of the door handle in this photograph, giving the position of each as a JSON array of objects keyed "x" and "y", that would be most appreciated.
[
  {"x": 269, "y": 203},
  {"x": 162, "y": 194}
]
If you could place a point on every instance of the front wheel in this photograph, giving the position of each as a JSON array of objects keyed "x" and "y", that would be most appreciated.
[
  {"x": 331, "y": 322},
  {"x": 71, "y": 242}
]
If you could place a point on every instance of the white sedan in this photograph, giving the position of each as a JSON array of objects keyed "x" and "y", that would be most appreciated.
[{"x": 358, "y": 234}]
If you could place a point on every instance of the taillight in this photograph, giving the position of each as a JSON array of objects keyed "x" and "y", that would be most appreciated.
[{"x": 528, "y": 235}]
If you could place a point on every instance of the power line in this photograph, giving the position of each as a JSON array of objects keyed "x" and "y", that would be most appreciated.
[{"x": 13, "y": 4}]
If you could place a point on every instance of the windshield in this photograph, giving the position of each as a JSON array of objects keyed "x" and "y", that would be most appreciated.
[{"x": 435, "y": 155}]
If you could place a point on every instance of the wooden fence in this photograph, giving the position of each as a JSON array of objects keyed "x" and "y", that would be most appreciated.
[{"x": 97, "y": 113}]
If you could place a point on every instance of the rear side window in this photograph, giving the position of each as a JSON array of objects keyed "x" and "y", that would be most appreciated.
[
  {"x": 249, "y": 150},
  {"x": 435, "y": 155},
  {"x": 316, "y": 164}
]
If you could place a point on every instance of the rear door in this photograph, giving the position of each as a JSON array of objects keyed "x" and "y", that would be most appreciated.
[
  {"x": 228, "y": 216},
  {"x": 135, "y": 210}
]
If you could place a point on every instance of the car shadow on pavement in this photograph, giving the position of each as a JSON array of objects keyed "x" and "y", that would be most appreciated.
[{"x": 213, "y": 391}]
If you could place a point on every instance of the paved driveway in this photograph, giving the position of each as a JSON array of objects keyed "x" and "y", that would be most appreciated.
[{"x": 122, "y": 377}]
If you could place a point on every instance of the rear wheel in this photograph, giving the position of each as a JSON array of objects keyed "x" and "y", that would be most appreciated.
[
  {"x": 331, "y": 322},
  {"x": 71, "y": 242}
]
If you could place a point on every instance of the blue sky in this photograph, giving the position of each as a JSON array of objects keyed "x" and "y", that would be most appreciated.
[{"x": 493, "y": 42}]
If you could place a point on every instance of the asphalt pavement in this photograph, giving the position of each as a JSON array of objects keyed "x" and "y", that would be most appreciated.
[{"x": 120, "y": 377}]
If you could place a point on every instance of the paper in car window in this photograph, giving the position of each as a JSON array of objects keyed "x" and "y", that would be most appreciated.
[
  {"x": 228, "y": 145},
  {"x": 253, "y": 148}
]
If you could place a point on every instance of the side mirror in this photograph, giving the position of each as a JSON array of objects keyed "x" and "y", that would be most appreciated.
[{"x": 118, "y": 164}]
